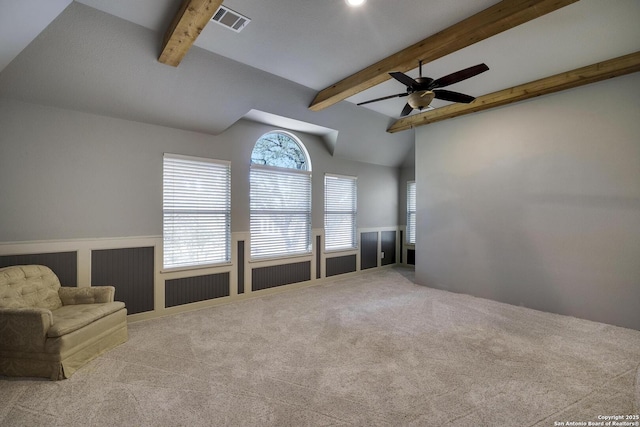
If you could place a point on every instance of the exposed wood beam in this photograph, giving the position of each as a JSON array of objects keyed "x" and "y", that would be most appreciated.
[
  {"x": 185, "y": 28},
  {"x": 491, "y": 21},
  {"x": 581, "y": 76}
]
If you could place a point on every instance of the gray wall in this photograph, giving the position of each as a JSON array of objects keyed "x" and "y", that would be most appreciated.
[
  {"x": 538, "y": 203},
  {"x": 66, "y": 174}
]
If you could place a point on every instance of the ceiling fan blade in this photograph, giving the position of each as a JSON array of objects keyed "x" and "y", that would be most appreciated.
[
  {"x": 406, "y": 110},
  {"x": 405, "y": 80},
  {"x": 447, "y": 95},
  {"x": 459, "y": 76},
  {"x": 399, "y": 95}
]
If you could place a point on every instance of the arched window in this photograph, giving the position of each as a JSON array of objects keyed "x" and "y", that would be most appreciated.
[
  {"x": 281, "y": 150},
  {"x": 280, "y": 195}
]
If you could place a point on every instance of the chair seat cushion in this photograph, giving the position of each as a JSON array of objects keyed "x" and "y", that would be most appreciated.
[{"x": 70, "y": 318}]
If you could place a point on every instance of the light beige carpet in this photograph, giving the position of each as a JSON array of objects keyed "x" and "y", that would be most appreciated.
[{"x": 370, "y": 350}]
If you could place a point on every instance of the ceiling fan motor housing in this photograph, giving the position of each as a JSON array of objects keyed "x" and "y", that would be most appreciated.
[{"x": 424, "y": 82}]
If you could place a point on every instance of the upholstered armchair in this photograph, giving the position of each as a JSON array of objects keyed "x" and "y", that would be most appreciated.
[{"x": 50, "y": 331}]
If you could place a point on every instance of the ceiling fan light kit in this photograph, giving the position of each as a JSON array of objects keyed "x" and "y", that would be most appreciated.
[{"x": 420, "y": 100}]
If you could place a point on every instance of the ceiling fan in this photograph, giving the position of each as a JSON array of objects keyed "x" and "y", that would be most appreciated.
[{"x": 423, "y": 90}]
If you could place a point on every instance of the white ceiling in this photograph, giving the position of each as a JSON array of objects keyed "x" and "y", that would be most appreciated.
[
  {"x": 310, "y": 43},
  {"x": 317, "y": 43}
]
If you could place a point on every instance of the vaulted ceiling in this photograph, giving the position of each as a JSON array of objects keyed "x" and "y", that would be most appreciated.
[{"x": 101, "y": 56}]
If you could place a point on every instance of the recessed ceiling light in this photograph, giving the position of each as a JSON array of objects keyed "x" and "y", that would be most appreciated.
[{"x": 355, "y": 3}]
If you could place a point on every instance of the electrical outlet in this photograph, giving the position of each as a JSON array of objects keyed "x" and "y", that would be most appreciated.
[{"x": 382, "y": 255}]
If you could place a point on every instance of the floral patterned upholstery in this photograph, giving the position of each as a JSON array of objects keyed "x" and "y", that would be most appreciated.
[{"x": 50, "y": 331}]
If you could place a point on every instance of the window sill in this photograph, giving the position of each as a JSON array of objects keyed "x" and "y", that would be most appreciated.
[
  {"x": 279, "y": 258},
  {"x": 345, "y": 251},
  {"x": 195, "y": 267}
]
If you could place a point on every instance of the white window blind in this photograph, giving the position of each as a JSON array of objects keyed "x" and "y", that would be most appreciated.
[
  {"x": 196, "y": 211},
  {"x": 411, "y": 212},
  {"x": 280, "y": 212},
  {"x": 340, "y": 212}
]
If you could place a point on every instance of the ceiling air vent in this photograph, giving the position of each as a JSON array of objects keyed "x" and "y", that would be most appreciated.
[{"x": 230, "y": 19}]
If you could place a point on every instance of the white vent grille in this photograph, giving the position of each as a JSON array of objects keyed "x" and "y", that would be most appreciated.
[{"x": 230, "y": 19}]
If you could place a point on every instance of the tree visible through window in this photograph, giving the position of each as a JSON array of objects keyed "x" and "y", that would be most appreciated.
[
  {"x": 280, "y": 150},
  {"x": 280, "y": 197}
]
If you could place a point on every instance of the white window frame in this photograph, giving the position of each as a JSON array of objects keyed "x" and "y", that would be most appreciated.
[
  {"x": 273, "y": 207},
  {"x": 411, "y": 212},
  {"x": 340, "y": 212},
  {"x": 196, "y": 208}
]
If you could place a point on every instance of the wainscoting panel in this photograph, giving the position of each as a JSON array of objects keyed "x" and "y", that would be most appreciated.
[
  {"x": 194, "y": 289},
  {"x": 279, "y": 275},
  {"x": 388, "y": 246},
  {"x": 368, "y": 250},
  {"x": 240, "y": 266},
  {"x": 318, "y": 257},
  {"x": 411, "y": 256},
  {"x": 341, "y": 265},
  {"x": 64, "y": 264},
  {"x": 131, "y": 271}
]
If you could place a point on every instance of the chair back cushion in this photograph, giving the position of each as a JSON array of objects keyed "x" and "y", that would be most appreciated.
[{"x": 29, "y": 286}]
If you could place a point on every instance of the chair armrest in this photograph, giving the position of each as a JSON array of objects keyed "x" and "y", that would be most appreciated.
[
  {"x": 24, "y": 329},
  {"x": 89, "y": 295}
]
